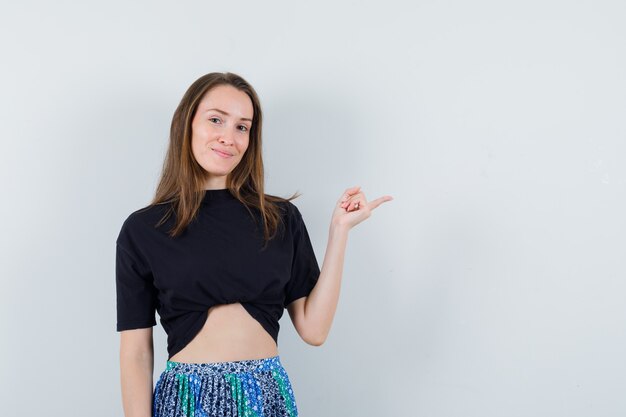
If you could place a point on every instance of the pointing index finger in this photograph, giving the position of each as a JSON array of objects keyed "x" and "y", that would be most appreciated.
[{"x": 377, "y": 202}]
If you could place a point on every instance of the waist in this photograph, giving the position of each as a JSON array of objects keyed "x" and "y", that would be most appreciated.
[
  {"x": 221, "y": 367},
  {"x": 228, "y": 334}
]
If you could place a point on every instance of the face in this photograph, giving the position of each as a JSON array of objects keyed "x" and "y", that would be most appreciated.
[{"x": 221, "y": 132}]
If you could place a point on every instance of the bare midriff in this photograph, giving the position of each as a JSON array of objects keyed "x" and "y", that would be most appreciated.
[{"x": 230, "y": 333}]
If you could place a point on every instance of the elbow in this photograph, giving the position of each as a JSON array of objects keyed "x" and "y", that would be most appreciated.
[{"x": 316, "y": 340}]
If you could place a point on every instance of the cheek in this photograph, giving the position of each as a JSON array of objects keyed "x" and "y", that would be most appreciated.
[
  {"x": 243, "y": 145},
  {"x": 196, "y": 144},
  {"x": 199, "y": 145},
  {"x": 200, "y": 138}
]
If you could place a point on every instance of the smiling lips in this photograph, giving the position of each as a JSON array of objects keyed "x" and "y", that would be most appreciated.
[{"x": 222, "y": 154}]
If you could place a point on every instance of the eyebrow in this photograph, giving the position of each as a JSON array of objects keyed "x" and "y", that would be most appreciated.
[{"x": 226, "y": 114}]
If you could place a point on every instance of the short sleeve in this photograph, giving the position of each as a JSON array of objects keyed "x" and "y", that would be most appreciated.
[
  {"x": 305, "y": 270},
  {"x": 136, "y": 294}
]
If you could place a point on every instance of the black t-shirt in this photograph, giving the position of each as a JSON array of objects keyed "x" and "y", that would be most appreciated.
[{"x": 218, "y": 259}]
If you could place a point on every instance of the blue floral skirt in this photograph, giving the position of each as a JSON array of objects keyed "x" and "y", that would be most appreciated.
[{"x": 251, "y": 388}]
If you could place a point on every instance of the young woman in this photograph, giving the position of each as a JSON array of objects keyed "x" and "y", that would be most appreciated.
[{"x": 220, "y": 260}]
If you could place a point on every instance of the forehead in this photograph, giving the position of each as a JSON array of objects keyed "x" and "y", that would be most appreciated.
[{"x": 229, "y": 99}]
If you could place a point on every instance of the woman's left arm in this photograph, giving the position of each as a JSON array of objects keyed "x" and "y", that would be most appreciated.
[{"x": 313, "y": 315}]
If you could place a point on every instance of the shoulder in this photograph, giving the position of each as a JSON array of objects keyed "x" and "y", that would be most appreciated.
[
  {"x": 290, "y": 216},
  {"x": 140, "y": 223},
  {"x": 290, "y": 211},
  {"x": 293, "y": 217},
  {"x": 288, "y": 207}
]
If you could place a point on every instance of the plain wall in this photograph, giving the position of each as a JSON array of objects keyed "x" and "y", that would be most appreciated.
[{"x": 492, "y": 285}]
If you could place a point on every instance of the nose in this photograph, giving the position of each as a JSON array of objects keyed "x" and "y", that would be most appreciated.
[
  {"x": 226, "y": 139},
  {"x": 227, "y": 136}
]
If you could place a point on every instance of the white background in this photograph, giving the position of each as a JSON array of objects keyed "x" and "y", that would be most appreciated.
[{"x": 493, "y": 283}]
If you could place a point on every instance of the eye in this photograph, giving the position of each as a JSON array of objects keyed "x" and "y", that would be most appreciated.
[{"x": 245, "y": 128}]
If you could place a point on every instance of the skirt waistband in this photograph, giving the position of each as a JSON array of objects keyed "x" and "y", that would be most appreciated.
[{"x": 246, "y": 365}]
